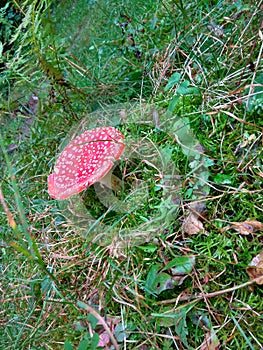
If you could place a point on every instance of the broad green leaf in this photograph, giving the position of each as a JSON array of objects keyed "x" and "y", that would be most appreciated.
[
  {"x": 194, "y": 164},
  {"x": 192, "y": 90},
  {"x": 211, "y": 341},
  {"x": 183, "y": 88},
  {"x": 94, "y": 341},
  {"x": 222, "y": 179},
  {"x": 93, "y": 320},
  {"x": 182, "y": 129},
  {"x": 84, "y": 344},
  {"x": 173, "y": 103},
  {"x": 123, "y": 331},
  {"x": 181, "y": 265},
  {"x": 174, "y": 79},
  {"x": 157, "y": 282},
  {"x": 68, "y": 346},
  {"x": 166, "y": 154}
]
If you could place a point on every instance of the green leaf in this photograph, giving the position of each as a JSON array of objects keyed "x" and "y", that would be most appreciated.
[
  {"x": 157, "y": 282},
  {"x": 68, "y": 346},
  {"x": 182, "y": 129},
  {"x": 173, "y": 103},
  {"x": 194, "y": 164},
  {"x": 93, "y": 320},
  {"x": 178, "y": 320},
  {"x": 22, "y": 250},
  {"x": 183, "y": 88},
  {"x": 122, "y": 331},
  {"x": 192, "y": 90},
  {"x": 166, "y": 153},
  {"x": 79, "y": 326},
  {"x": 222, "y": 179},
  {"x": 84, "y": 344},
  {"x": 82, "y": 305},
  {"x": 181, "y": 265},
  {"x": 94, "y": 341},
  {"x": 181, "y": 326},
  {"x": 208, "y": 162},
  {"x": 175, "y": 78},
  {"x": 149, "y": 248}
]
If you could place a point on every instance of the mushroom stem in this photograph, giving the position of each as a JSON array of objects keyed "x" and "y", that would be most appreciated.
[{"x": 111, "y": 181}]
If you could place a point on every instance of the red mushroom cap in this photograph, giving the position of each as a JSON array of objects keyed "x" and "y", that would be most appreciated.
[{"x": 86, "y": 160}]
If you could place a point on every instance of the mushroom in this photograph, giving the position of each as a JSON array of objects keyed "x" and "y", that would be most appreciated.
[{"x": 86, "y": 160}]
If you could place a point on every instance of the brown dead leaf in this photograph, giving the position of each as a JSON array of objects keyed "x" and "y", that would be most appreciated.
[
  {"x": 211, "y": 341},
  {"x": 247, "y": 227},
  {"x": 255, "y": 268},
  {"x": 192, "y": 225}
]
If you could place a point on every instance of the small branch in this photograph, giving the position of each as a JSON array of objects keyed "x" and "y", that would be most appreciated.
[
  {"x": 197, "y": 297},
  {"x": 103, "y": 323}
]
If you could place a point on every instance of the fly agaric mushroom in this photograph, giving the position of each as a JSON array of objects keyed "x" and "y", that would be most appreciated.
[{"x": 86, "y": 160}]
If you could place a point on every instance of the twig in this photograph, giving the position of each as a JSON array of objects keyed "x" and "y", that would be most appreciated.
[
  {"x": 103, "y": 323},
  {"x": 197, "y": 297}
]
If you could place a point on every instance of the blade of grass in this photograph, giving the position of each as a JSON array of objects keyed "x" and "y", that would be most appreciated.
[{"x": 242, "y": 332}]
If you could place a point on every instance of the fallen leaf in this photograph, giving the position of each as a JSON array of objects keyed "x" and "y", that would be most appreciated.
[
  {"x": 247, "y": 227},
  {"x": 211, "y": 341},
  {"x": 104, "y": 340},
  {"x": 180, "y": 268},
  {"x": 181, "y": 265},
  {"x": 255, "y": 268},
  {"x": 172, "y": 274},
  {"x": 157, "y": 281},
  {"x": 192, "y": 225}
]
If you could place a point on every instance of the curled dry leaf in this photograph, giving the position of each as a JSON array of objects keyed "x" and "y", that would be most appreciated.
[
  {"x": 192, "y": 225},
  {"x": 247, "y": 227},
  {"x": 255, "y": 268}
]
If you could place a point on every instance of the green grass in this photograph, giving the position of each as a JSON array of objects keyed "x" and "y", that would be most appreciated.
[{"x": 186, "y": 75}]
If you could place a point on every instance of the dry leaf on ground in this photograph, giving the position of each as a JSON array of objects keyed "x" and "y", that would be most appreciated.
[
  {"x": 192, "y": 225},
  {"x": 211, "y": 341},
  {"x": 247, "y": 227},
  {"x": 255, "y": 268}
]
